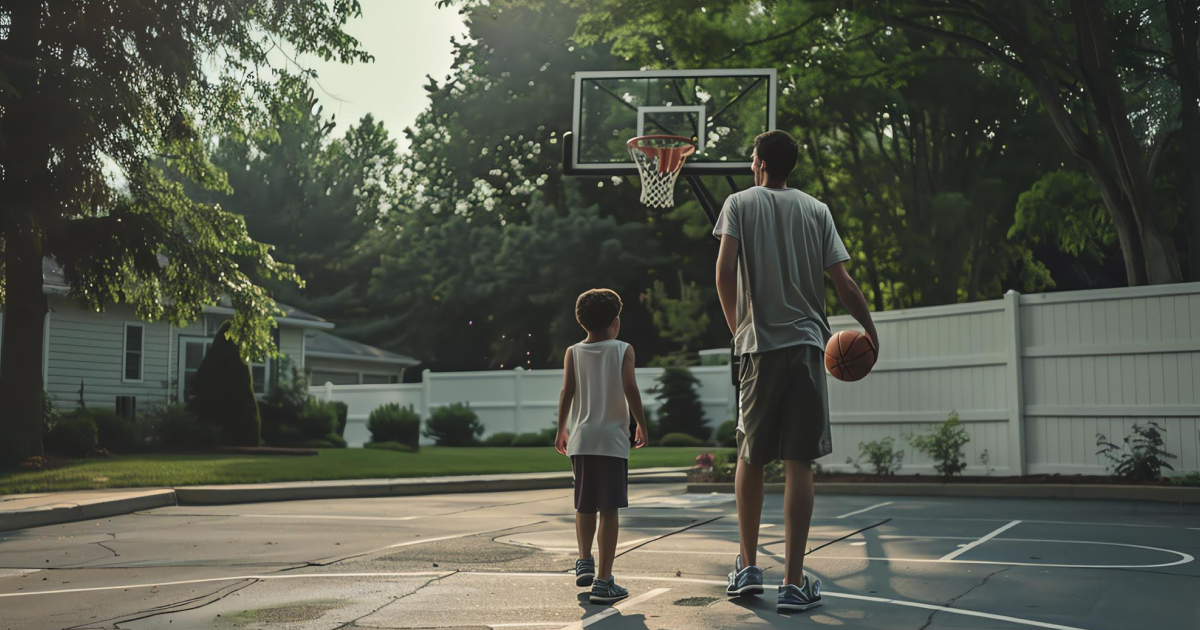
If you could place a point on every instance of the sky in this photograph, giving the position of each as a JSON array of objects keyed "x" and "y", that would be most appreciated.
[{"x": 409, "y": 39}]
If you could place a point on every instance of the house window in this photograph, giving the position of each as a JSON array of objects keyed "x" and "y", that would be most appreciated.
[
  {"x": 376, "y": 379},
  {"x": 259, "y": 373},
  {"x": 133, "y": 354},
  {"x": 191, "y": 355},
  {"x": 320, "y": 377}
]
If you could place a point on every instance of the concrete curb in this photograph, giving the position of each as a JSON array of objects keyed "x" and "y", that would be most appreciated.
[
  {"x": 71, "y": 512},
  {"x": 1164, "y": 494},
  {"x": 98, "y": 506}
]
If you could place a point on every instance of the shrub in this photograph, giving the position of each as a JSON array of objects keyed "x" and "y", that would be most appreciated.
[
  {"x": 454, "y": 425},
  {"x": 533, "y": 439},
  {"x": 680, "y": 439},
  {"x": 944, "y": 446},
  {"x": 116, "y": 433},
  {"x": 881, "y": 454},
  {"x": 1190, "y": 479},
  {"x": 282, "y": 409},
  {"x": 49, "y": 413},
  {"x": 680, "y": 411},
  {"x": 1141, "y": 457},
  {"x": 332, "y": 440},
  {"x": 503, "y": 438},
  {"x": 342, "y": 411},
  {"x": 393, "y": 423},
  {"x": 390, "y": 446},
  {"x": 774, "y": 472},
  {"x": 317, "y": 420},
  {"x": 223, "y": 395},
  {"x": 73, "y": 434},
  {"x": 174, "y": 427},
  {"x": 727, "y": 433}
]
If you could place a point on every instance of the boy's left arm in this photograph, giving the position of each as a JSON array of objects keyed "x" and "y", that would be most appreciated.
[
  {"x": 564, "y": 402},
  {"x": 633, "y": 396}
]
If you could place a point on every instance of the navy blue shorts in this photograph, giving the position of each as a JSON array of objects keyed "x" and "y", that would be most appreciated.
[{"x": 601, "y": 482}]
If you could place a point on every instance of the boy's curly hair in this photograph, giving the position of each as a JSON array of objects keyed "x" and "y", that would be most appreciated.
[{"x": 597, "y": 308}]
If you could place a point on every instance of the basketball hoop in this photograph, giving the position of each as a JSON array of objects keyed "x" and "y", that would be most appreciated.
[{"x": 659, "y": 160}]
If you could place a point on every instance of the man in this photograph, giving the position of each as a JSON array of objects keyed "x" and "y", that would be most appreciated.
[{"x": 776, "y": 243}]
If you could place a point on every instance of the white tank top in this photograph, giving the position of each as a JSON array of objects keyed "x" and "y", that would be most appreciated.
[{"x": 599, "y": 421}]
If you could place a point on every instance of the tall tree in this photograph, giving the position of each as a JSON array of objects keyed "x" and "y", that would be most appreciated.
[
  {"x": 1065, "y": 51},
  {"x": 94, "y": 96}
]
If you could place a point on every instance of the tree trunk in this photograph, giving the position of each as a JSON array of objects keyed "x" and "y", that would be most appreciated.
[
  {"x": 1104, "y": 89},
  {"x": 21, "y": 362},
  {"x": 1183, "y": 20}
]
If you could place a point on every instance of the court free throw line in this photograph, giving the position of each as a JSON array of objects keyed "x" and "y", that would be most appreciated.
[
  {"x": 868, "y": 509},
  {"x": 969, "y": 546}
]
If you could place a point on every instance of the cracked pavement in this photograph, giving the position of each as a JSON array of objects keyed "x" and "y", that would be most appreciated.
[{"x": 502, "y": 560}]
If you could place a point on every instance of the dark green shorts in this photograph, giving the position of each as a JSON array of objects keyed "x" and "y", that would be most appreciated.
[{"x": 783, "y": 407}]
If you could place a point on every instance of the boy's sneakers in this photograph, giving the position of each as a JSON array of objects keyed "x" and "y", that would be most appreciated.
[
  {"x": 744, "y": 580},
  {"x": 607, "y": 591},
  {"x": 794, "y": 598},
  {"x": 585, "y": 571}
]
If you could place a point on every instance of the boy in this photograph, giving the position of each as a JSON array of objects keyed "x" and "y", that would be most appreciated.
[
  {"x": 599, "y": 392},
  {"x": 775, "y": 243}
]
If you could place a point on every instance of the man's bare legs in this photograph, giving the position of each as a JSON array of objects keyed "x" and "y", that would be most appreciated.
[
  {"x": 607, "y": 544},
  {"x": 748, "y": 483},
  {"x": 585, "y": 531},
  {"x": 797, "y": 515}
]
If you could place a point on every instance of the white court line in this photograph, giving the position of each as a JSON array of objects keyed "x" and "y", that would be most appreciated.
[
  {"x": 524, "y": 625},
  {"x": 881, "y": 600},
  {"x": 969, "y": 546},
  {"x": 620, "y": 607},
  {"x": 877, "y": 505}
]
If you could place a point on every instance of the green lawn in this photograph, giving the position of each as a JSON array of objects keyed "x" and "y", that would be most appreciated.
[{"x": 185, "y": 470}]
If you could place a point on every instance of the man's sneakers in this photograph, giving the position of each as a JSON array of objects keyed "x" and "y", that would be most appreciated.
[
  {"x": 607, "y": 591},
  {"x": 744, "y": 580},
  {"x": 794, "y": 598},
  {"x": 585, "y": 571}
]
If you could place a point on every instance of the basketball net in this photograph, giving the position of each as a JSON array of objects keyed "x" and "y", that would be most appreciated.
[{"x": 659, "y": 160}]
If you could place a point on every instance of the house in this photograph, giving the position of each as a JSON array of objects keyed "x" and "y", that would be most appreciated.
[{"x": 103, "y": 356}]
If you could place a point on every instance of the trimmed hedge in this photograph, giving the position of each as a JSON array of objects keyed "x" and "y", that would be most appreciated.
[
  {"x": 73, "y": 434},
  {"x": 390, "y": 446},
  {"x": 454, "y": 425},
  {"x": 176, "y": 428},
  {"x": 533, "y": 439},
  {"x": 393, "y": 423},
  {"x": 680, "y": 439},
  {"x": 503, "y": 438}
]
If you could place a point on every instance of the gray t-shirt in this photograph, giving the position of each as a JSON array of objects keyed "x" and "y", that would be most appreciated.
[{"x": 787, "y": 240}]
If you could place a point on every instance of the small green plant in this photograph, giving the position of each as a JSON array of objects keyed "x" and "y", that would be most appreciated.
[
  {"x": 1141, "y": 456},
  {"x": 454, "y": 425},
  {"x": 944, "y": 446},
  {"x": 393, "y": 423},
  {"x": 881, "y": 454},
  {"x": 680, "y": 439},
  {"x": 727, "y": 433},
  {"x": 503, "y": 438}
]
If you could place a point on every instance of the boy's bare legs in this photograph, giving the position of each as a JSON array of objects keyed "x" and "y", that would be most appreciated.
[
  {"x": 585, "y": 531},
  {"x": 607, "y": 544},
  {"x": 797, "y": 515},
  {"x": 748, "y": 483}
]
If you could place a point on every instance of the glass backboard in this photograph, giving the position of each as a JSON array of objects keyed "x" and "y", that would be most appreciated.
[{"x": 720, "y": 110}]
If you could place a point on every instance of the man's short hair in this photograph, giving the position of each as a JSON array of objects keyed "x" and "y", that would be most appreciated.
[
  {"x": 778, "y": 149},
  {"x": 597, "y": 308}
]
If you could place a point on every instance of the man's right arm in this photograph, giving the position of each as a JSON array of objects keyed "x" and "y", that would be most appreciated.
[{"x": 852, "y": 298}]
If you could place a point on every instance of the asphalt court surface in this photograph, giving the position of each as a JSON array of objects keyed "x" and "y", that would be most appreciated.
[{"x": 502, "y": 560}]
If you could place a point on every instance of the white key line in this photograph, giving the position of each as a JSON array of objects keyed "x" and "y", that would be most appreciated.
[
  {"x": 580, "y": 625},
  {"x": 969, "y": 546},
  {"x": 878, "y": 505},
  {"x": 330, "y": 517}
]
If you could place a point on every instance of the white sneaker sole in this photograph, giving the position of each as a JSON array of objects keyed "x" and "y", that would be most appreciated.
[
  {"x": 606, "y": 600},
  {"x": 585, "y": 579},
  {"x": 783, "y": 608},
  {"x": 749, "y": 589}
]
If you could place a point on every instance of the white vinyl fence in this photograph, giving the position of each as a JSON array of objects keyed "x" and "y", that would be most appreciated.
[{"x": 1033, "y": 377}]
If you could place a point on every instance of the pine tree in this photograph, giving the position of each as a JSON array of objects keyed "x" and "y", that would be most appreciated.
[
  {"x": 681, "y": 411},
  {"x": 223, "y": 393}
]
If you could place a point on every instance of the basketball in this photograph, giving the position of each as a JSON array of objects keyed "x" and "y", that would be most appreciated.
[{"x": 849, "y": 355}]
